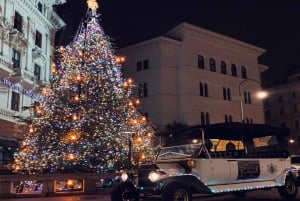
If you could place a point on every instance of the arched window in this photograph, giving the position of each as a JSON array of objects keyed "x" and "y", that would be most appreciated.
[
  {"x": 200, "y": 62},
  {"x": 223, "y": 67},
  {"x": 226, "y": 93},
  {"x": 212, "y": 65},
  {"x": 228, "y": 118},
  {"x": 247, "y": 97},
  {"x": 244, "y": 72},
  {"x": 233, "y": 70},
  {"x": 203, "y": 89}
]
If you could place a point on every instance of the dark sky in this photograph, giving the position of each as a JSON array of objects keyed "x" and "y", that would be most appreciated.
[{"x": 272, "y": 25}]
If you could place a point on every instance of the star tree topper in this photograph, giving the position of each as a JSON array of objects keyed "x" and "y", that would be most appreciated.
[{"x": 92, "y": 4}]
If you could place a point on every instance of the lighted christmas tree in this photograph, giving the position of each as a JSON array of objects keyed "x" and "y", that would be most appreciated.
[{"x": 87, "y": 120}]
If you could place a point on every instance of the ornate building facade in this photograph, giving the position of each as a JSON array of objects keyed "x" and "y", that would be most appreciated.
[{"x": 27, "y": 30}]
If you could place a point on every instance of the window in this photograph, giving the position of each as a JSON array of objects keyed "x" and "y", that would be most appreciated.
[
  {"x": 140, "y": 91},
  {"x": 204, "y": 118},
  {"x": 212, "y": 65},
  {"x": 228, "y": 118},
  {"x": 38, "y": 39},
  {"x": 145, "y": 89},
  {"x": 223, "y": 68},
  {"x": 138, "y": 66},
  {"x": 15, "y": 100},
  {"x": 145, "y": 64},
  {"x": 16, "y": 57},
  {"x": 244, "y": 72},
  {"x": 37, "y": 72},
  {"x": 226, "y": 94},
  {"x": 203, "y": 89},
  {"x": 200, "y": 62},
  {"x": 142, "y": 65},
  {"x": 18, "y": 21},
  {"x": 249, "y": 120},
  {"x": 247, "y": 97},
  {"x": 233, "y": 70},
  {"x": 40, "y": 7}
]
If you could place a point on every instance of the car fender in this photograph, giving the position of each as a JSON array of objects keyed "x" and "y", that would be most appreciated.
[{"x": 191, "y": 181}]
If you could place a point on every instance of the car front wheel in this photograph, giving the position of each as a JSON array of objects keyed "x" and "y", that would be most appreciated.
[
  {"x": 177, "y": 192},
  {"x": 289, "y": 190},
  {"x": 124, "y": 192}
]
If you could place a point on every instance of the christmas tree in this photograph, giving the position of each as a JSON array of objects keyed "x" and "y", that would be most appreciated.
[{"x": 87, "y": 120}]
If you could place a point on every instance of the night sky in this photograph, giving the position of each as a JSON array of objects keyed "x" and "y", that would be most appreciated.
[{"x": 271, "y": 25}]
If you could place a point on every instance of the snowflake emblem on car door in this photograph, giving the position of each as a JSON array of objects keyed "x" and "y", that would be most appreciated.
[{"x": 272, "y": 168}]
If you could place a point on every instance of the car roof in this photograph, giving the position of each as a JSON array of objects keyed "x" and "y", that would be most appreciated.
[{"x": 230, "y": 131}]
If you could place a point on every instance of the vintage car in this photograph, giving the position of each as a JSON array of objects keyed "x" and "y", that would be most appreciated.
[
  {"x": 295, "y": 160},
  {"x": 213, "y": 159}
]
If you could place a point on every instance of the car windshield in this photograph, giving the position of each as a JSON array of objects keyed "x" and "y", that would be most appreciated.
[{"x": 181, "y": 151}]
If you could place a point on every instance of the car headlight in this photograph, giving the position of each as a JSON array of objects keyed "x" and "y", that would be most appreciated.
[
  {"x": 154, "y": 176},
  {"x": 124, "y": 176}
]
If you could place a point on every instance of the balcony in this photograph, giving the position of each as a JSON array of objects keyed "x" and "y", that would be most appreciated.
[{"x": 6, "y": 66}]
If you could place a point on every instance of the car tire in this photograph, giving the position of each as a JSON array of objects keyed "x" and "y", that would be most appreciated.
[
  {"x": 289, "y": 190},
  {"x": 176, "y": 192},
  {"x": 124, "y": 192}
]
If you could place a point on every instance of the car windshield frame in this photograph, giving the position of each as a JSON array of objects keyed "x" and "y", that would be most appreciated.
[{"x": 179, "y": 151}]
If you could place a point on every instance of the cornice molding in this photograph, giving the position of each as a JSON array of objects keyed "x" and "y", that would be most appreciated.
[
  {"x": 189, "y": 29},
  {"x": 153, "y": 41}
]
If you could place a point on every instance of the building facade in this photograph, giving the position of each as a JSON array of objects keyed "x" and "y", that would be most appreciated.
[
  {"x": 27, "y": 30},
  {"x": 282, "y": 107},
  {"x": 194, "y": 76}
]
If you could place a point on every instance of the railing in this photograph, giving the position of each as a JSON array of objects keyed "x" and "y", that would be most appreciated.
[{"x": 6, "y": 63}]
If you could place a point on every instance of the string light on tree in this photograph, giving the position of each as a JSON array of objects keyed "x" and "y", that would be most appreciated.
[{"x": 79, "y": 125}]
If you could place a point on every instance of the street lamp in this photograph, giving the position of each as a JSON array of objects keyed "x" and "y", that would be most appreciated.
[{"x": 259, "y": 94}]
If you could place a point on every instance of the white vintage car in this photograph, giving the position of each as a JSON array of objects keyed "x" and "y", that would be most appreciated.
[{"x": 213, "y": 159}]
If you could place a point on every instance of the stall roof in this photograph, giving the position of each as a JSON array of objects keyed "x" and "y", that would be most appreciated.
[{"x": 231, "y": 131}]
